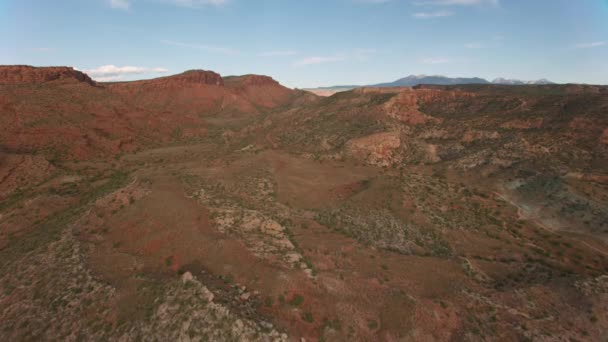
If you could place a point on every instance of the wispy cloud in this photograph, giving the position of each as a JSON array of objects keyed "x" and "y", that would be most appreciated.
[
  {"x": 440, "y": 4},
  {"x": 209, "y": 48},
  {"x": 430, "y": 15},
  {"x": 113, "y": 72},
  {"x": 126, "y": 4},
  {"x": 590, "y": 45},
  {"x": 435, "y": 60},
  {"x": 43, "y": 49},
  {"x": 372, "y": 1},
  {"x": 197, "y": 3},
  {"x": 358, "y": 55},
  {"x": 473, "y": 45},
  {"x": 457, "y": 2},
  {"x": 278, "y": 53},
  {"x": 317, "y": 60},
  {"x": 120, "y": 4}
]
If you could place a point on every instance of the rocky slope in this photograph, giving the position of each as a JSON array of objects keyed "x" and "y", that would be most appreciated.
[
  {"x": 200, "y": 207},
  {"x": 82, "y": 119},
  {"x": 24, "y": 74},
  {"x": 527, "y": 143},
  {"x": 261, "y": 90}
]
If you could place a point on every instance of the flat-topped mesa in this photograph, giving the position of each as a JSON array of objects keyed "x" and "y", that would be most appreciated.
[
  {"x": 22, "y": 74},
  {"x": 190, "y": 77},
  {"x": 250, "y": 80},
  {"x": 263, "y": 91},
  {"x": 198, "y": 76}
]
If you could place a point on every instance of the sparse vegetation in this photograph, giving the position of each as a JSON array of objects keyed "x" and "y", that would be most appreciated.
[
  {"x": 236, "y": 217},
  {"x": 296, "y": 300}
]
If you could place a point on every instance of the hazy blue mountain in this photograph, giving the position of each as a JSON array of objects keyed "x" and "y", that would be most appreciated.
[
  {"x": 414, "y": 80},
  {"x": 520, "y": 82}
]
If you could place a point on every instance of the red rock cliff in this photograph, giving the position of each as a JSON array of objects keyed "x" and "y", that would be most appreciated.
[
  {"x": 198, "y": 76},
  {"x": 19, "y": 74},
  {"x": 250, "y": 80}
]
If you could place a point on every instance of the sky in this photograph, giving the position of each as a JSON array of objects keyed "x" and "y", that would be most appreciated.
[{"x": 310, "y": 43}]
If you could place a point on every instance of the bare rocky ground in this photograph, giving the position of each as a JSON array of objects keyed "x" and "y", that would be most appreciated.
[{"x": 395, "y": 214}]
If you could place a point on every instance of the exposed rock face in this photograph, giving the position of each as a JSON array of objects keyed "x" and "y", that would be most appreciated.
[
  {"x": 199, "y": 76},
  {"x": 262, "y": 90},
  {"x": 250, "y": 80},
  {"x": 120, "y": 116},
  {"x": 202, "y": 77},
  {"x": 18, "y": 74},
  {"x": 376, "y": 149},
  {"x": 404, "y": 107}
]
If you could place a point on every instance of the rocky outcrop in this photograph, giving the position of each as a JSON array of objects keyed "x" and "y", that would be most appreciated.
[
  {"x": 250, "y": 80},
  {"x": 196, "y": 77},
  {"x": 375, "y": 149},
  {"x": 404, "y": 107},
  {"x": 23, "y": 74},
  {"x": 259, "y": 90}
]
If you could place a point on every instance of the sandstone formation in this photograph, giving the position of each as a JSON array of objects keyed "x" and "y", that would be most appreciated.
[{"x": 24, "y": 74}]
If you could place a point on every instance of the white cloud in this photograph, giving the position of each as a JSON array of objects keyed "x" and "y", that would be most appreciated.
[
  {"x": 120, "y": 4},
  {"x": 429, "y": 15},
  {"x": 209, "y": 48},
  {"x": 317, "y": 60},
  {"x": 108, "y": 78},
  {"x": 590, "y": 45},
  {"x": 435, "y": 60},
  {"x": 457, "y": 2},
  {"x": 278, "y": 53},
  {"x": 113, "y": 72}
]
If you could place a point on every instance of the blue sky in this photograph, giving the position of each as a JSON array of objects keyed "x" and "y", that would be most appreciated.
[{"x": 306, "y": 43}]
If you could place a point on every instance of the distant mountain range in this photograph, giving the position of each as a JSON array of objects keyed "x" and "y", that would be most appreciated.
[
  {"x": 414, "y": 80},
  {"x": 520, "y": 82}
]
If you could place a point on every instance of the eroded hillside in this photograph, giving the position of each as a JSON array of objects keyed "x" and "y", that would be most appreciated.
[{"x": 201, "y": 207}]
